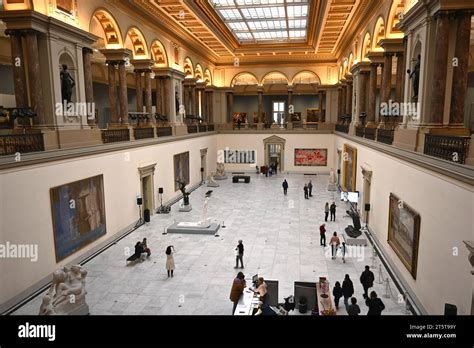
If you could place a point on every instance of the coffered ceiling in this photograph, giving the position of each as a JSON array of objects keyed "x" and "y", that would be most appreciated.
[{"x": 262, "y": 31}]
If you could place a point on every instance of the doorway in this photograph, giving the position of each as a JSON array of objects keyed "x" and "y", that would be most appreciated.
[
  {"x": 275, "y": 151},
  {"x": 278, "y": 112},
  {"x": 147, "y": 174},
  {"x": 367, "y": 176},
  {"x": 203, "y": 164}
]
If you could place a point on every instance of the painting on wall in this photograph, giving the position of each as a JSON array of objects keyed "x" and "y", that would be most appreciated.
[
  {"x": 311, "y": 157},
  {"x": 181, "y": 169},
  {"x": 349, "y": 167},
  {"x": 404, "y": 232},
  {"x": 78, "y": 211}
]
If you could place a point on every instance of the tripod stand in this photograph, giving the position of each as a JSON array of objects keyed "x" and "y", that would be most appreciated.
[{"x": 140, "y": 219}]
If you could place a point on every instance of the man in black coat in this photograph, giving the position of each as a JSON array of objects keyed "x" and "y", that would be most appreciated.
[
  {"x": 367, "y": 280},
  {"x": 285, "y": 186},
  {"x": 333, "y": 211},
  {"x": 347, "y": 289},
  {"x": 375, "y": 304}
]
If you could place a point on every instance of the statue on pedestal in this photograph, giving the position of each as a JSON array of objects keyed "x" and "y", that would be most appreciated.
[
  {"x": 210, "y": 181},
  {"x": 182, "y": 188},
  {"x": 67, "y": 294},
  {"x": 332, "y": 181},
  {"x": 220, "y": 174},
  {"x": 415, "y": 76},
  {"x": 67, "y": 84}
]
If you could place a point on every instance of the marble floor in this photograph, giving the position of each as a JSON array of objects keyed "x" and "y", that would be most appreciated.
[{"x": 281, "y": 238}]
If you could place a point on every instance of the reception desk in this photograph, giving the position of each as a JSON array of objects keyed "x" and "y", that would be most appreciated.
[{"x": 247, "y": 303}]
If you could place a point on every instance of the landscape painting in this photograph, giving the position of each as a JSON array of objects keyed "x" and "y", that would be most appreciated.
[
  {"x": 404, "y": 232},
  {"x": 311, "y": 157},
  {"x": 181, "y": 169},
  {"x": 78, "y": 212}
]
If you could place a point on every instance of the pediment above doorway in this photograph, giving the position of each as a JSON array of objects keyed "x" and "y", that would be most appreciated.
[{"x": 274, "y": 140}]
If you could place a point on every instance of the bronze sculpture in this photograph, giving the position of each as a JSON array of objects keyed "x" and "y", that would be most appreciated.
[
  {"x": 415, "y": 76},
  {"x": 67, "y": 84}
]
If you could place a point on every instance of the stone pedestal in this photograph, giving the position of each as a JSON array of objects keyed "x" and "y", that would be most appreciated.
[
  {"x": 332, "y": 187},
  {"x": 185, "y": 208},
  {"x": 180, "y": 129}
]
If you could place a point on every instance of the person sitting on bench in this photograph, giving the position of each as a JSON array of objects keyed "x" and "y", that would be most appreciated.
[
  {"x": 140, "y": 254},
  {"x": 145, "y": 247}
]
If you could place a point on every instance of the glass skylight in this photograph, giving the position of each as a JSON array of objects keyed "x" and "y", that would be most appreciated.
[{"x": 264, "y": 20}]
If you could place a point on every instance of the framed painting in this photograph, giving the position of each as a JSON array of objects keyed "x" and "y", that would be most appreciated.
[
  {"x": 349, "y": 167},
  {"x": 404, "y": 232},
  {"x": 181, "y": 169},
  {"x": 311, "y": 157},
  {"x": 78, "y": 212}
]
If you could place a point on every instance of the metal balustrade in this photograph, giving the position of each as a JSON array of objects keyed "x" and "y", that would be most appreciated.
[
  {"x": 12, "y": 143},
  {"x": 115, "y": 135},
  {"x": 451, "y": 148}
]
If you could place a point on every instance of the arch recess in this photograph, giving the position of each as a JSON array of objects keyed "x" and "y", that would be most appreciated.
[
  {"x": 275, "y": 77},
  {"x": 244, "y": 79},
  {"x": 135, "y": 41},
  {"x": 104, "y": 25},
  {"x": 158, "y": 53},
  {"x": 306, "y": 77},
  {"x": 188, "y": 68},
  {"x": 378, "y": 34}
]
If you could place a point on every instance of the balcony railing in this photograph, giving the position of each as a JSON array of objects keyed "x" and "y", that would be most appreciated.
[
  {"x": 115, "y": 135},
  {"x": 202, "y": 128},
  {"x": 360, "y": 131},
  {"x": 143, "y": 133},
  {"x": 192, "y": 129},
  {"x": 451, "y": 148},
  {"x": 342, "y": 128},
  {"x": 385, "y": 136},
  {"x": 22, "y": 143},
  {"x": 369, "y": 133},
  {"x": 164, "y": 131}
]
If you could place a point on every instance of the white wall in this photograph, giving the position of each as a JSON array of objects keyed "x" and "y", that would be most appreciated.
[
  {"x": 26, "y": 219},
  {"x": 446, "y": 210},
  {"x": 293, "y": 141}
]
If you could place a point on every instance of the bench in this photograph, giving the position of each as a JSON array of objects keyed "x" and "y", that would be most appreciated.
[{"x": 237, "y": 178}]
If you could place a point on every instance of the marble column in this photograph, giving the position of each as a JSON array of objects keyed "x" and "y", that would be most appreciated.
[
  {"x": 186, "y": 98},
  {"x": 139, "y": 91},
  {"x": 386, "y": 78},
  {"x": 290, "y": 103},
  {"x": 371, "y": 109},
  {"x": 166, "y": 96},
  {"x": 18, "y": 66},
  {"x": 88, "y": 84},
  {"x": 194, "y": 101},
  {"x": 460, "y": 72},
  {"x": 209, "y": 101},
  {"x": 362, "y": 93},
  {"x": 340, "y": 112},
  {"x": 123, "y": 98},
  {"x": 159, "y": 95},
  {"x": 343, "y": 98},
  {"x": 34, "y": 75},
  {"x": 260, "y": 105},
  {"x": 203, "y": 104},
  {"x": 438, "y": 87},
  {"x": 148, "y": 95},
  {"x": 112, "y": 92},
  {"x": 231, "y": 106},
  {"x": 321, "y": 104},
  {"x": 348, "y": 109},
  {"x": 400, "y": 74}
]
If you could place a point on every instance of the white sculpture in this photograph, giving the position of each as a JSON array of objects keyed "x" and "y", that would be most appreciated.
[
  {"x": 220, "y": 175},
  {"x": 332, "y": 181},
  {"x": 67, "y": 294},
  {"x": 211, "y": 182},
  {"x": 205, "y": 221}
]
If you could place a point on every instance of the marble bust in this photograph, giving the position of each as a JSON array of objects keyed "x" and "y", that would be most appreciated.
[
  {"x": 220, "y": 174},
  {"x": 332, "y": 181}
]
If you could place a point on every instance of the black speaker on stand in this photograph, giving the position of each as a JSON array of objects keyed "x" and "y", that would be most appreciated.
[
  {"x": 162, "y": 209},
  {"x": 139, "y": 203},
  {"x": 202, "y": 174},
  {"x": 367, "y": 209}
]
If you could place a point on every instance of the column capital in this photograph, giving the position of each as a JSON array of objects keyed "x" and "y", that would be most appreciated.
[
  {"x": 391, "y": 46},
  {"x": 142, "y": 65},
  {"x": 445, "y": 13},
  {"x": 87, "y": 50},
  {"x": 116, "y": 55}
]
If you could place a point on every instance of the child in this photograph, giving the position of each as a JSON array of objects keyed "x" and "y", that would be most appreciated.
[{"x": 337, "y": 293}]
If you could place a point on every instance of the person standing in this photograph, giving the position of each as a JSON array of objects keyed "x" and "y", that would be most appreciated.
[
  {"x": 276, "y": 167},
  {"x": 334, "y": 242},
  {"x": 367, "y": 280},
  {"x": 353, "y": 308},
  {"x": 333, "y": 211},
  {"x": 375, "y": 304},
  {"x": 343, "y": 251},
  {"x": 285, "y": 187},
  {"x": 305, "y": 189},
  {"x": 170, "y": 260},
  {"x": 237, "y": 290},
  {"x": 145, "y": 247},
  {"x": 310, "y": 188},
  {"x": 326, "y": 212},
  {"x": 239, "y": 254},
  {"x": 347, "y": 289},
  {"x": 337, "y": 293},
  {"x": 322, "y": 232}
]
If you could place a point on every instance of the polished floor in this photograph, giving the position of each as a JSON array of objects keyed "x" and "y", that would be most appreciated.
[{"x": 281, "y": 239}]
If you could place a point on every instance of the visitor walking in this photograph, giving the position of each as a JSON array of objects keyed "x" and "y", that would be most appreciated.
[
  {"x": 337, "y": 293},
  {"x": 326, "y": 212},
  {"x": 305, "y": 189},
  {"x": 343, "y": 251},
  {"x": 237, "y": 290},
  {"x": 347, "y": 289},
  {"x": 334, "y": 242},
  {"x": 285, "y": 187},
  {"x": 333, "y": 211},
  {"x": 353, "y": 308},
  {"x": 170, "y": 260},
  {"x": 322, "y": 232},
  {"x": 239, "y": 254},
  {"x": 367, "y": 280},
  {"x": 375, "y": 304},
  {"x": 310, "y": 188}
]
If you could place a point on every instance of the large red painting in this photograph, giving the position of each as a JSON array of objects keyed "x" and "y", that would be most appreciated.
[{"x": 311, "y": 157}]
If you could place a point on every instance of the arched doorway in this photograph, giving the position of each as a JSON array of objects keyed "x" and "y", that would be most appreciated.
[{"x": 275, "y": 151}]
